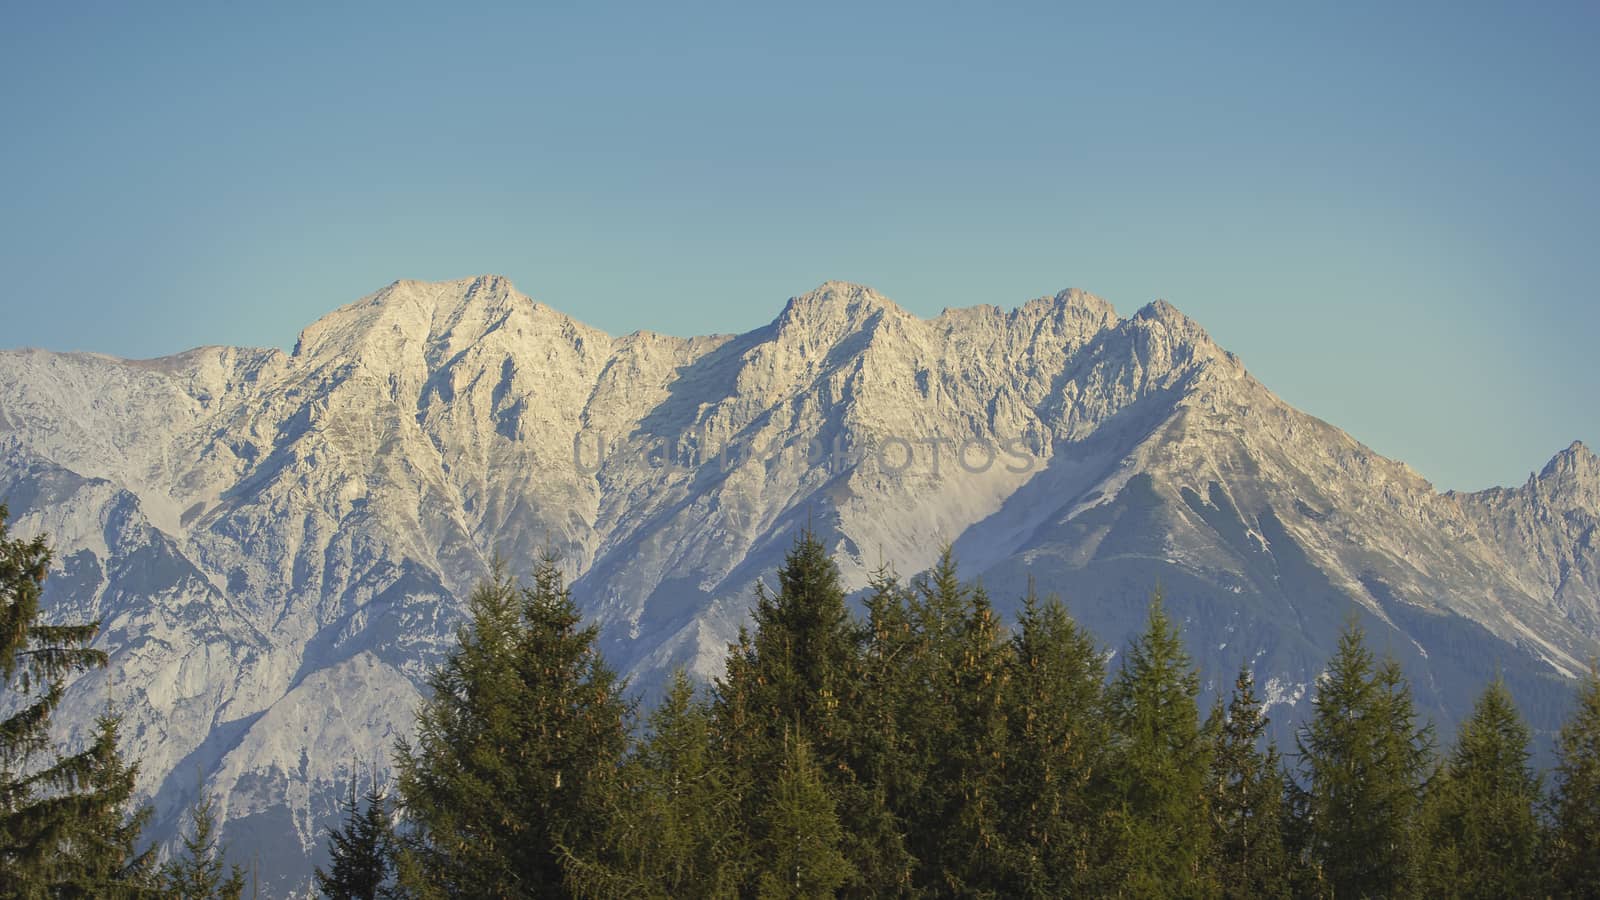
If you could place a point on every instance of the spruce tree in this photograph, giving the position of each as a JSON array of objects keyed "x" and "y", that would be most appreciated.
[
  {"x": 516, "y": 746},
  {"x": 790, "y": 676},
  {"x": 65, "y": 824},
  {"x": 801, "y": 650},
  {"x": 799, "y": 836},
  {"x": 1407, "y": 762},
  {"x": 972, "y": 851},
  {"x": 1246, "y": 791},
  {"x": 1482, "y": 830},
  {"x": 101, "y": 857},
  {"x": 954, "y": 733},
  {"x": 1162, "y": 762},
  {"x": 672, "y": 822},
  {"x": 1574, "y": 841},
  {"x": 1056, "y": 748},
  {"x": 199, "y": 871},
  {"x": 361, "y": 854},
  {"x": 875, "y": 752},
  {"x": 1364, "y": 761},
  {"x": 741, "y": 741},
  {"x": 928, "y": 727}
]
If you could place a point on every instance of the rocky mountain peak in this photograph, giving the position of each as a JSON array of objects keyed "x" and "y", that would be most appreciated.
[
  {"x": 1573, "y": 476},
  {"x": 1078, "y": 298},
  {"x": 833, "y": 301},
  {"x": 1070, "y": 304},
  {"x": 411, "y": 320},
  {"x": 1577, "y": 456},
  {"x": 1164, "y": 313},
  {"x": 490, "y": 285},
  {"x": 1167, "y": 338}
]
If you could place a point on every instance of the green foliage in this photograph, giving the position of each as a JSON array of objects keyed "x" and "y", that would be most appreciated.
[
  {"x": 1158, "y": 781},
  {"x": 66, "y": 829},
  {"x": 972, "y": 772},
  {"x": 1056, "y": 753},
  {"x": 1482, "y": 832},
  {"x": 787, "y": 681},
  {"x": 672, "y": 818},
  {"x": 1364, "y": 760},
  {"x": 101, "y": 858},
  {"x": 362, "y": 862},
  {"x": 199, "y": 871},
  {"x": 30, "y": 651},
  {"x": 1246, "y": 789},
  {"x": 793, "y": 668},
  {"x": 954, "y": 732},
  {"x": 799, "y": 836},
  {"x": 1574, "y": 841},
  {"x": 516, "y": 748},
  {"x": 875, "y": 755},
  {"x": 925, "y": 752}
]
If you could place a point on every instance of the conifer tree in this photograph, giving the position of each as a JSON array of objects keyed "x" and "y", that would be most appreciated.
[
  {"x": 101, "y": 858},
  {"x": 1246, "y": 792},
  {"x": 799, "y": 853},
  {"x": 954, "y": 733},
  {"x": 972, "y": 852},
  {"x": 199, "y": 871},
  {"x": 875, "y": 754},
  {"x": 1574, "y": 841},
  {"x": 65, "y": 824},
  {"x": 790, "y": 675},
  {"x": 1482, "y": 831},
  {"x": 1364, "y": 761},
  {"x": 672, "y": 822},
  {"x": 741, "y": 740},
  {"x": 801, "y": 649},
  {"x": 1056, "y": 747},
  {"x": 523, "y": 734},
  {"x": 927, "y": 722},
  {"x": 361, "y": 853},
  {"x": 1161, "y": 766}
]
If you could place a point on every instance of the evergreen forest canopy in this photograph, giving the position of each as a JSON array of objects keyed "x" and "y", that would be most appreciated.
[{"x": 925, "y": 749}]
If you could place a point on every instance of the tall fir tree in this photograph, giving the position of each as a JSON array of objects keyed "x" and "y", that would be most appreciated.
[
  {"x": 1246, "y": 793},
  {"x": 954, "y": 733},
  {"x": 1364, "y": 761},
  {"x": 1573, "y": 856},
  {"x": 927, "y": 726},
  {"x": 973, "y": 851},
  {"x": 101, "y": 857},
  {"x": 1407, "y": 763},
  {"x": 66, "y": 824},
  {"x": 199, "y": 870},
  {"x": 799, "y": 838},
  {"x": 741, "y": 741},
  {"x": 1162, "y": 761},
  {"x": 516, "y": 746},
  {"x": 801, "y": 649},
  {"x": 1481, "y": 826},
  {"x": 790, "y": 676},
  {"x": 875, "y": 750},
  {"x": 361, "y": 851},
  {"x": 1056, "y": 750},
  {"x": 672, "y": 822}
]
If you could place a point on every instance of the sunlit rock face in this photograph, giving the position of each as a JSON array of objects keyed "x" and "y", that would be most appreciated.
[{"x": 278, "y": 545}]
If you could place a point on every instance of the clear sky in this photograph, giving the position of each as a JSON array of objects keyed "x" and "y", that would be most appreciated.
[{"x": 1389, "y": 214}]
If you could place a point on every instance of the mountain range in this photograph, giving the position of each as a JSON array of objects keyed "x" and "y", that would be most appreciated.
[{"x": 278, "y": 545}]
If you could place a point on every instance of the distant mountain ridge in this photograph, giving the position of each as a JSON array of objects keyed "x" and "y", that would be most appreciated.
[{"x": 279, "y": 543}]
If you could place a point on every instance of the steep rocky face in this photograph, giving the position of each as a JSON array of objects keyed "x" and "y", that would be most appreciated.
[
  {"x": 1549, "y": 530},
  {"x": 278, "y": 544}
]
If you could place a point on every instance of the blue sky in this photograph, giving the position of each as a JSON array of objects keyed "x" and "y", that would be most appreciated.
[{"x": 1389, "y": 214}]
